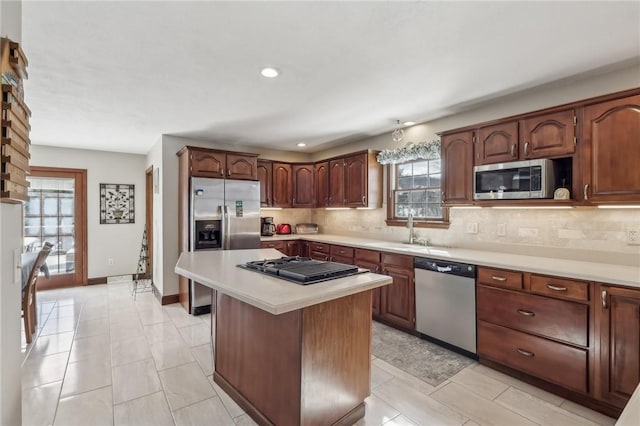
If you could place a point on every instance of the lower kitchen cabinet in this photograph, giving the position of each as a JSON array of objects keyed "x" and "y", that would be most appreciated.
[
  {"x": 397, "y": 300},
  {"x": 618, "y": 326},
  {"x": 293, "y": 248},
  {"x": 370, "y": 259},
  {"x": 278, "y": 245}
]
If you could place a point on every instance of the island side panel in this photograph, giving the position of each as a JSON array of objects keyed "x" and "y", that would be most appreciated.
[
  {"x": 336, "y": 360},
  {"x": 257, "y": 360}
]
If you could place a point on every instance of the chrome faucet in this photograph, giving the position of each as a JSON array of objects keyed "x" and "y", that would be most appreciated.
[{"x": 410, "y": 226}]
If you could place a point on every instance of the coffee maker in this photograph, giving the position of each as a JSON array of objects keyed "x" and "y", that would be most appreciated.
[{"x": 267, "y": 227}]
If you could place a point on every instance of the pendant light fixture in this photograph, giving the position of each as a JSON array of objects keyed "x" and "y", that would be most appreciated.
[{"x": 398, "y": 133}]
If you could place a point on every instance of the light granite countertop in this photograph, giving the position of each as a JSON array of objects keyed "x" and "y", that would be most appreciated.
[
  {"x": 217, "y": 269},
  {"x": 631, "y": 414},
  {"x": 591, "y": 271}
]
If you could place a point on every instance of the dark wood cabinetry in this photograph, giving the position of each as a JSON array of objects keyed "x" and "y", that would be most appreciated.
[
  {"x": 319, "y": 251},
  {"x": 497, "y": 143},
  {"x": 457, "y": 163},
  {"x": 336, "y": 183},
  {"x": 265, "y": 176},
  {"x": 397, "y": 301},
  {"x": 293, "y": 248},
  {"x": 618, "y": 326},
  {"x": 282, "y": 185},
  {"x": 548, "y": 135},
  {"x": 303, "y": 185},
  {"x": 370, "y": 259},
  {"x": 355, "y": 180},
  {"x": 610, "y": 152},
  {"x": 322, "y": 184},
  {"x": 220, "y": 165}
]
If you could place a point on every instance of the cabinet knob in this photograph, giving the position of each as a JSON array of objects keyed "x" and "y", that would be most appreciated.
[
  {"x": 442, "y": 197},
  {"x": 526, "y": 148},
  {"x": 526, "y": 313},
  {"x": 604, "y": 299},
  {"x": 228, "y": 172},
  {"x": 586, "y": 191},
  {"x": 222, "y": 171},
  {"x": 513, "y": 150},
  {"x": 497, "y": 278},
  {"x": 556, "y": 287},
  {"x": 364, "y": 202}
]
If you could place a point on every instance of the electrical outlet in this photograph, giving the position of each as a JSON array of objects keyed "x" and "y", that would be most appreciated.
[
  {"x": 502, "y": 229},
  {"x": 472, "y": 228},
  {"x": 633, "y": 237},
  {"x": 110, "y": 262}
]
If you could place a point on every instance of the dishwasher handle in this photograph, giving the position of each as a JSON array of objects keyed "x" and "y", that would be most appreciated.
[{"x": 445, "y": 267}]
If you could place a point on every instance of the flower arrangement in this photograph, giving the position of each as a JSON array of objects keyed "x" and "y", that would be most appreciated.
[{"x": 427, "y": 150}]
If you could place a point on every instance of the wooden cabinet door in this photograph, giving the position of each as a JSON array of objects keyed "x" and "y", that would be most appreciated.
[
  {"x": 207, "y": 164},
  {"x": 265, "y": 176},
  {"x": 242, "y": 167},
  {"x": 322, "y": 184},
  {"x": 611, "y": 151},
  {"x": 375, "y": 268},
  {"x": 457, "y": 165},
  {"x": 336, "y": 183},
  {"x": 303, "y": 185},
  {"x": 618, "y": 322},
  {"x": 282, "y": 185},
  {"x": 497, "y": 143},
  {"x": 548, "y": 135},
  {"x": 292, "y": 248},
  {"x": 355, "y": 181},
  {"x": 398, "y": 298}
]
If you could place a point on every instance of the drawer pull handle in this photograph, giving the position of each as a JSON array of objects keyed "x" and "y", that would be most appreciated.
[
  {"x": 319, "y": 247},
  {"x": 556, "y": 287},
  {"x": 341, "y": 251},
  {"x": 604, "y": 299},
  {"x": 526, "y": 313},
  {"x": 525, "y": 353},
  {"x": 496, "y": 278}
]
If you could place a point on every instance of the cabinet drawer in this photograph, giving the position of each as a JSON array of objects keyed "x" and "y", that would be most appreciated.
[
  {"x": 371, "y": 266},
  {"x": 278, "y": 245},
  {"x": 500, "y": 278},
  {"x": 560, "y": 287},
  {"x": 320, "y": 247},
  {"x": 318, "y": 255},
  {"x": 552, "y": 361},
  {"x": 342, "y": 259},
  {"x": 557, "y": 319},
  {"x": 342, "y": 251},
  {"x": 398, "y": 260},
  {"x": 367, "y": 255}
]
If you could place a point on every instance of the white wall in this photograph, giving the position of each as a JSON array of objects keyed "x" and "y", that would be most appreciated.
[
  {"x": 10, "y": 277},
  {"x": 120, "y": 242}
]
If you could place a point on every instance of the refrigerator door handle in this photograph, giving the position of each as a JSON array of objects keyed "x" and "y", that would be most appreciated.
[{"x": 226, "y": 226}]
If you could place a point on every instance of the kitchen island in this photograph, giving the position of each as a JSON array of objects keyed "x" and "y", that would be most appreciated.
[{"x": 288, "y": 354}]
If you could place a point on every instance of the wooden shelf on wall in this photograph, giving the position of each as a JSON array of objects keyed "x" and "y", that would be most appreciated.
[{"x": 14, "y": 123}]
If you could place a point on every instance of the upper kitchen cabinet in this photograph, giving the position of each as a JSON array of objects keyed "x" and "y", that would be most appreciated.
[
  {"x": 322, "y": 184},
  {"x": 548, "y": 135},
  {"x": 610, "y": 151},
  {"x": 497, "y": 143},
  {"x": 355, "y": 181},
  {"x": 336, "y": 183},
  {"x": 242, "y": 166},
  {"x": 282, "y": 185},
  {"x": 219, "y": 164},
  {"x": 303, "y": 185},
  {"x": 457, "y": 161},
  {"x": 265, "y": 176}
]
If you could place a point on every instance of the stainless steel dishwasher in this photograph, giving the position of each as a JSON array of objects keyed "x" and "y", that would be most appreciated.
[{"x": 446, "y": 303}]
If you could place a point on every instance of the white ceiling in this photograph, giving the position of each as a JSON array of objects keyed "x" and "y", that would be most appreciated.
[{"x": 116, "y": 75}]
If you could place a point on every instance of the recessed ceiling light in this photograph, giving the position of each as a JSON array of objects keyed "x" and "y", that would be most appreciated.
[
  {"x": 409, "y": 123},
  {"x": 301, "y": 144},
  {"x": 269, "y": 72}
]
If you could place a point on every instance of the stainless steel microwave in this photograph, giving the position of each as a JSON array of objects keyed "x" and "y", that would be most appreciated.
[{"x": 517, "y": 180}]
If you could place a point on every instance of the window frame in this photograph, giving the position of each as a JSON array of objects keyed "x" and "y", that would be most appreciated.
[{"x": 392, "y": 220}]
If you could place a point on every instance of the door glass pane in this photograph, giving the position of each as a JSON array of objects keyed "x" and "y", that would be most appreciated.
[{"x": 49, "y": 217}]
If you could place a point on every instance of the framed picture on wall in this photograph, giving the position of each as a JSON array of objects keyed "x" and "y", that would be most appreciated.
[{"x": 117, "y": 203}]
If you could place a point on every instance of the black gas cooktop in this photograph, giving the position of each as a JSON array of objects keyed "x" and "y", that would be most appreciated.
[{"x": 302, "y": 270}]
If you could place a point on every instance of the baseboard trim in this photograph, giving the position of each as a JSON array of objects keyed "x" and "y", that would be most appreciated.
[
  {"x": 97, "y": 280},
  {"x": 171, "y": 298}
]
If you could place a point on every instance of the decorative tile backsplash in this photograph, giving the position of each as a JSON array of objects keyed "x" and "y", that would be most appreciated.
[{"x": 589, "y": 234}]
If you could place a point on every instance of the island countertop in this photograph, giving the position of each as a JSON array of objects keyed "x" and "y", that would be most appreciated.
[{"x": 218, "y": 270}]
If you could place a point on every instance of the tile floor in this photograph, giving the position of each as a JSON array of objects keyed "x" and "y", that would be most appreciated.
[{"x": 102, "y": 358}]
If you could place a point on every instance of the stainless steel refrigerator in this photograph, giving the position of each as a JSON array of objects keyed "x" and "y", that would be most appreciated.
[{"x": 224, "y": 215}]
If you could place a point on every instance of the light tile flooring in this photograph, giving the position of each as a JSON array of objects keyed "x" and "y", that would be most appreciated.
[{"x": 102, "y": 358}]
